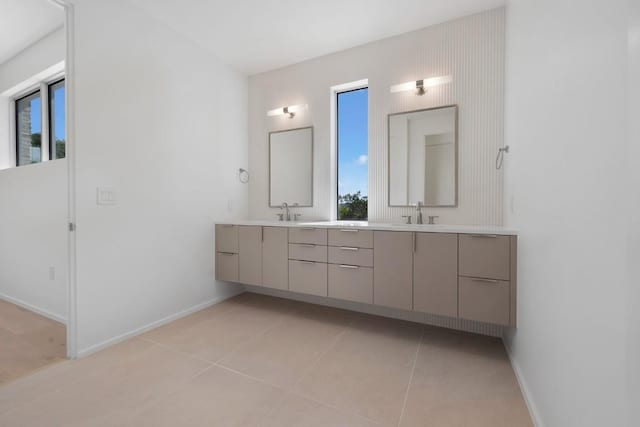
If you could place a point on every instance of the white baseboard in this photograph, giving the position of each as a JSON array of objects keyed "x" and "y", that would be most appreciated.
[
  {"x": 123, "y": 337},
  {"x": 526, "y": 393},
  {"x": 42, "y": 312}
]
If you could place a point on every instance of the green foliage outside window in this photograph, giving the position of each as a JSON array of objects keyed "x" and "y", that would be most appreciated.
[{"x": 352, "y": 206}]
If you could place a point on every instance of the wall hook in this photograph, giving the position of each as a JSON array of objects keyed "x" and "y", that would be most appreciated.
[{"x": 500, "y": 156}]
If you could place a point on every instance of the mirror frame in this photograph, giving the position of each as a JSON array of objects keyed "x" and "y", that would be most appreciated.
[
  {"x": 312, "y": 159},
  {"x": 456, "y": 142}
]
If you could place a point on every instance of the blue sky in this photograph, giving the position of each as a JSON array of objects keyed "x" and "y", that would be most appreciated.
[
  {"x": 58, "y": 107},
  {"x": 353, "y": 149}
]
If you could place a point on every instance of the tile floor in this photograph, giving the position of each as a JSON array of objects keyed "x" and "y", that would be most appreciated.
[
  {"x": 28, "y": 342},
  {"x": 260, "y": 361}
]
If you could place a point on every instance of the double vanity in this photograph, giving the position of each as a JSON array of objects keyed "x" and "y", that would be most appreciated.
[{"x": 455, "y": 271}]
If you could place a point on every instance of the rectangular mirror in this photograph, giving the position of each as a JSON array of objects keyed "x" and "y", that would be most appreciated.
[
  {"x": 291, "y": 167},
  {"x": 423, "y": 157}
]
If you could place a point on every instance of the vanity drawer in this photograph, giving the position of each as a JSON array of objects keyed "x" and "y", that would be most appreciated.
[
  {"x": 227, "y": 266},
  {"x": 316, "y": 236},
  {"x": 227, "y": 238},
  {"x": 351, "y": 237},
  {"x": 351, "y": 283},
  {"x": 484, "y": 256},
  {"x": 308, "y": 277},
  {"x": 351, "y": 255},
  {"x": 484, "y": 300},
  {"x": 307, "y": 252}
]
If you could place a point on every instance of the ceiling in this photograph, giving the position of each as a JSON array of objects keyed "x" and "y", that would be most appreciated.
[
  {"x": 23, "y": 22},
  {"x": 254, "y": 36}
]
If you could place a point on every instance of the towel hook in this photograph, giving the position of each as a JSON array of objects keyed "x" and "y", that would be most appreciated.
[
  {"x": 243, "y": 175},
  {"x": 500, "y": 156}
]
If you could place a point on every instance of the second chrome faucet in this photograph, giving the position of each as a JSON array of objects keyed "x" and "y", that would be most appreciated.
[{"x": 419, "y": 219}]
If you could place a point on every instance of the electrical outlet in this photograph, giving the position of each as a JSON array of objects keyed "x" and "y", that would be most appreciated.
[{"x": 52, "y": 273}]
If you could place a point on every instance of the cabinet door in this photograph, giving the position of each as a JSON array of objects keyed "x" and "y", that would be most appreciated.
[
  {"x": 435, "y": 274},
  {"x": 250, "y": 254},
  {"x": 484, "y": 255},
  {"x": 227, "y": 266},
  {"x": 227, "y": 238},
  {"x": 308, "y": 277},
  {"x": 350, "y": 282},
  {"x": 275, "y": 262},
  {"x": 392, "y": 269},
  {"x": 484, "y": 300}
]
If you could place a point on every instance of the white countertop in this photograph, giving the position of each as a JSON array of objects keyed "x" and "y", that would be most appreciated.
[{"x": 381, "y": 226}]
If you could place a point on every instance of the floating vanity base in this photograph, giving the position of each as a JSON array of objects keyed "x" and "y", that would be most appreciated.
[{"x": 443, "y": 275}]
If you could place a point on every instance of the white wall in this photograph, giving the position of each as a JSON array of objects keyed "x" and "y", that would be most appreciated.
[
  {"x": 566, "y": 112},
  {"x": 6, "y": 152},
  {"x": 470, "y": 49},
  {"x": 33, "y": 199},
  {"x": 164, "y": 124},
  {"x": 33, "y": 59},
  {"x": 633, "y": 181},
  {"x": 20, "y": 72},
  {"x": 33, "y": 212}
]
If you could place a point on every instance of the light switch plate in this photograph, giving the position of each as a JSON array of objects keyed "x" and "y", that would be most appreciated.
[{"x": 106, "y": 196}]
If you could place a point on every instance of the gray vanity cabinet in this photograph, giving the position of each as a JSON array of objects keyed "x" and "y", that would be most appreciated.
[
  {"x": 275, "y": 260},
  {"x": 392, "y": 273},
  {"x": 227, "y": 238},
  {"x": 227, "y": 252},
  {"x": 487, "y": 286},
  {"x": 250, "y": 254},
  {"x": 435, "y": 274},
  {"x": 456, "y": 275}
]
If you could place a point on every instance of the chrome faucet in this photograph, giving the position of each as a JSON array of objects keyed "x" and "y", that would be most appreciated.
[
  {"x": 419, "y": 213},
  {"x": 287, "y": 214}
]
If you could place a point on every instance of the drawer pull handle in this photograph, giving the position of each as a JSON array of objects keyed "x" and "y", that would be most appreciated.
[
  {"x": 307, "y": 229},
  {"x": 226, "y": 253},
  {"x": 307, "y": 262},
  {"x": 350, "y": 267},
  {"x": 350, "y": 230},
  {"x": 228, "y": 225},
  {"x": 307, "y": 245},
  {"x": 486, "y": 280},
  {"x": 486, "y": 236},
  {"x": 348, "y": 248}
]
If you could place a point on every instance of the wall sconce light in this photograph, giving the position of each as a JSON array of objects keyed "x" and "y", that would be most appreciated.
[
  {"x": 421, "y": 86},
  {"x": 291, "y": 110}
]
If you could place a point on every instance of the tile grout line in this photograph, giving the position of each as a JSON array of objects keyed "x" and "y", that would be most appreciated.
[
  {"x": 314, "y": 364},
  {"x": 335, "y": 408},
  {"x": 284, "y": 313},
  {"x": 324, "y": 353},
  {"x": 242, "y": 374},
  {"x": 413, "y": 371},
  {"x": 249, "y": 340},
  {"x": 215, "y": 362},
  {"x": 177, "y": 351}
]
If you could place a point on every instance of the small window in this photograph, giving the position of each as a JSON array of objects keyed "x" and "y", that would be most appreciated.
[
  {"x": 57, "y": 138},
  {"x": 353, "y": 154},
  {"x": 29, "y": 129}
]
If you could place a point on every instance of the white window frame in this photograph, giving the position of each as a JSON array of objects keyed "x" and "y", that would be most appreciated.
[{"x": 40, "y": 82}]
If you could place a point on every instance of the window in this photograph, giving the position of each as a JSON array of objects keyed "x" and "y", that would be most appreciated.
[
  {"x": 57, "y": 145},
  {"x": 30, "y": 122},
  {"x": 29, "y": 129},
  {"x": 353, "y": 154}
]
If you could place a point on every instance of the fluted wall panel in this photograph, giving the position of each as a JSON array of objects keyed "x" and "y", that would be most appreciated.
[{"x": 470, "y": 49}]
